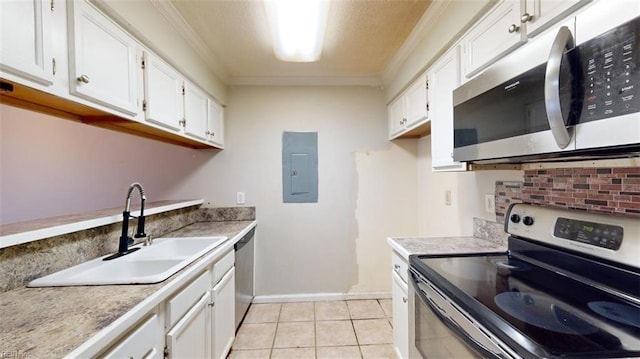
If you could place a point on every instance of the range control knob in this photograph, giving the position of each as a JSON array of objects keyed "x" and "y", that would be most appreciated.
[
  {"x": 515, "y": 218},
  {"x": 527, "y": 220}
]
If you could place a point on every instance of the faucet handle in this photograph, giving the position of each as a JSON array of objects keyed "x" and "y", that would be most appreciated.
[{"x": 148, "y": 240}]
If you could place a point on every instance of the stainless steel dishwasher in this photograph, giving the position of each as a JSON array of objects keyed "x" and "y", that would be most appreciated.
[{"x": 244, "y": 249}]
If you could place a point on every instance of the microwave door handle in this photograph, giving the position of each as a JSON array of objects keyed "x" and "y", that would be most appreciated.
[{"x": 562, "y": 134}]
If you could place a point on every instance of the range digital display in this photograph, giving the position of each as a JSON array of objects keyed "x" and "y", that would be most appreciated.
[{"x": 597, "y": 234}]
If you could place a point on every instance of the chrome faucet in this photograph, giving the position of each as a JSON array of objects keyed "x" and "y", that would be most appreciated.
[{"x": 125, "y": 240}]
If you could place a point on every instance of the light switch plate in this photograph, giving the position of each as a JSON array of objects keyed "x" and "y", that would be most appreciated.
[
  {"x": 240, "y": 198},
  {"x": 490, "y": 203}
]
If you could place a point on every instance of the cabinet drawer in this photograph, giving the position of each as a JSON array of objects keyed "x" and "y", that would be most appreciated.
[
  {"x": 223, "y": 265},
  {"x": 181, "y": 302},
  {"x": 400, "y": 266},
  {"x": 143, "y": 342}
]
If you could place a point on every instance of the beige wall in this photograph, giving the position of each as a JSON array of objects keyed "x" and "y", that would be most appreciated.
[
  {"x": 51, "y": 166},
  {"x": 367, "y": 187},
  {"x": 467, "y": 196}
]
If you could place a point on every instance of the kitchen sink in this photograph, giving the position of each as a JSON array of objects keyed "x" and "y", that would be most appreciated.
[{"x": 149, "y": 264}]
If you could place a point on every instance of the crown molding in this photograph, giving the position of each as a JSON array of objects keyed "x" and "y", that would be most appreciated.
[
  {"x": 175, "y": 19},
  {"x": 419, "y": 32},
  {"x": 370, "y": 81}
]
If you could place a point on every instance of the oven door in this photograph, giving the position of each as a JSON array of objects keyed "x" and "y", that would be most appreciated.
[{"x": 443, "y": 330}]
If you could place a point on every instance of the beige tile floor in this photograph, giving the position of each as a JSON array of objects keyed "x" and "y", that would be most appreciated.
[{"x": 316, "y": 330}]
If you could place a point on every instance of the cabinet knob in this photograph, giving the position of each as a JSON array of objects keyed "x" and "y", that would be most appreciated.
[
  {"x": 513, "y": 28},
  {"x": 84, "y": 79},
  {"x": 526, "y": 17},
  {"x": 404, "y": 299},
  {"x": 396, "y": 266},
  {"x": 182, "y": 122}
]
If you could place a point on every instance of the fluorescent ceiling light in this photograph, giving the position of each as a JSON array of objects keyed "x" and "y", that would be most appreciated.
[{"x": 297, "y": 28}]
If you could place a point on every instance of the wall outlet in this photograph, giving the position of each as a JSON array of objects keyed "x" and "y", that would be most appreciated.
[
  {"x": 490, "y": 203},
  {"x": 447, "y": 197},
  {"x": 240, "y": 198}
]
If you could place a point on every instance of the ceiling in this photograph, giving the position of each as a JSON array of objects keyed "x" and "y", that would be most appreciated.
[{"x": 361, "y": 39}]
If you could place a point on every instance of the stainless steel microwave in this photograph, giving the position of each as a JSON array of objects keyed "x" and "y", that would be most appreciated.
[{"x": 554, "y": 100}]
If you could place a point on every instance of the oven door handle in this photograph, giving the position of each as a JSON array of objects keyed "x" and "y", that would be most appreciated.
[
  {"x": 451, "y": 324},
  {"x": 561, "y": 133}
]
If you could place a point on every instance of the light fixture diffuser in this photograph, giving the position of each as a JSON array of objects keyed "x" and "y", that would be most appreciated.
[{"x": 297, "y": 28}]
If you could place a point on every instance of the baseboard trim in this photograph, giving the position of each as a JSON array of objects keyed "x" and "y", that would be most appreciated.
[{"x": 317, "y": 297}]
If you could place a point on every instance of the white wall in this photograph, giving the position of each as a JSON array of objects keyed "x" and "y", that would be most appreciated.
[
  {"x": 367, "y": 187},
  {"x": 51, "y": 166}
]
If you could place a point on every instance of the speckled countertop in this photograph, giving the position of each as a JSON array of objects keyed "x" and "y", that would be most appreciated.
[
  {"x": 444, "y": 245},
  {"x": 53, "y": 322}
]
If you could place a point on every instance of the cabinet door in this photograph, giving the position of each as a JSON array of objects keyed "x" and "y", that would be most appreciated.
[
  {"x": 191, "y": 336},
  {"x": 102, "y": 59},
  {"x": 397, "y": 117},
  {"x": 224, "y": 315},
  {"x": 144, "y": 342},
  {"x": 499, "y": 32},
  {"x": 25, "y": 35},
  {"x": 540, "y": 14},
  {"x": 164, "y": 102},
  {"x": 416, "y": 101},
  {"x": 444, "y": 77},
  {"x": 195, "y": 111},
  {"x": 400, "y": 305},
  {"x": 215, "y": 123}
]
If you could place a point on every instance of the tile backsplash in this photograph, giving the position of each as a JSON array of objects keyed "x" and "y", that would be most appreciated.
[{"x": 604, "y": 190}]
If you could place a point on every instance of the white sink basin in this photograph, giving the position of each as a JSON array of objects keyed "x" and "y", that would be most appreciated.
[{"x": 149, "y": 264}]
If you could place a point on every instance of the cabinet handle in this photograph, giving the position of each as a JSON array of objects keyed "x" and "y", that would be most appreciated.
[
  {"x": 513, "y": 28},
  {"x": 525, "y": 17},
  {"x": 182, "y": 122},
  {"x": 396, "y": 266},
  {"x": 404, "y": 299},
  {"x": 84, "y": 79}
]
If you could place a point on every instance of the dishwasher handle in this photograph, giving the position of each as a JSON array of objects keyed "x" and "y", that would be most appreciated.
[{"x": 245, "y": 239}]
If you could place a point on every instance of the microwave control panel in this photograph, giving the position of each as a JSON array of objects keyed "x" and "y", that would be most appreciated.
[{"x": 611, "y": 72}]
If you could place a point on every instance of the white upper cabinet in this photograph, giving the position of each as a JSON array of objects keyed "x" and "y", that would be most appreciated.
[
  {"x": 25, "y": 35},
  {"x": 495, "y": 35},
  {"x": 408, "y": 115},
  {"x": 195, "y": 111},
  {"x": 540, "y": 14},
  {"x": 102, "y": 59},
  {"x": 215, "y": 123},
  {"x": 163, "y": 96},
  {"x": 444, "y": 77},
  {"x": 396, "y": 116},
  {"x": 416, "y": 101}
]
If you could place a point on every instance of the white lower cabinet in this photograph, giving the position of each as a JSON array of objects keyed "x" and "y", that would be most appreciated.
[
  {"x": 197, "y": 321},
  {"x": 399, "y": 293},
  {"x": 191, "y": 336},
  {"x": 400, "y": 304},
  {"x": 145, "y": 341},
  {"x": 223, "y": 316}
]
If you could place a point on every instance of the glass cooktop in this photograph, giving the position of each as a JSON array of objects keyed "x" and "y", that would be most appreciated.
[{"x": 535, "y": 308}]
